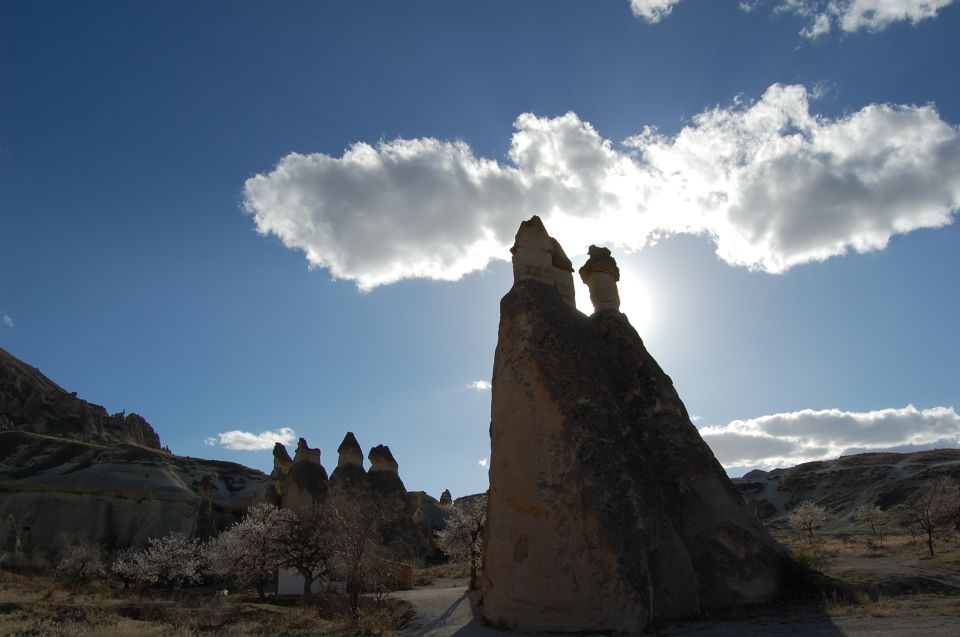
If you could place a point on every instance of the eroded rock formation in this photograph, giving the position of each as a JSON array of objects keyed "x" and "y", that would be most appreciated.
[
  {"x": 446, "y": 499},
  {"x": 606, "y": 509}
]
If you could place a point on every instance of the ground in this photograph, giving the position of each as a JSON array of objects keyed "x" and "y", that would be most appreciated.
[
  {"x": 902, "y": 591},
  {"x": 898, "y": 590}
]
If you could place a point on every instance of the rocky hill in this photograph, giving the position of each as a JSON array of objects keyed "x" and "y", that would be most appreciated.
[
  {"x": 67, "y": 466},
  {"x": 29, "y": 401},
  {"x": 884, "y": 479},
  {"x": 113, "y": 494}
]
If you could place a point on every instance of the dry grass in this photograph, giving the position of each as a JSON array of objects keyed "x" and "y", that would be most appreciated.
[
  {"x": 32, "y": 606},
  {"x": 438, "y": 573}
]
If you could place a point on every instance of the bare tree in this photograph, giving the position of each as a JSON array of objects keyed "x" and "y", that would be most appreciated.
[
  {"x": 82, "y": 561},
  {"x": 462, "y": 539},
  {"x": 931, "y": 506},
  {"x": 358, "y": 517},
  {"x": 172, "y": 560},
  {"x": 874, "y": 516},
  {"x": 304, "y": 544},
  {"x": 250, "y": 551},
  {"x": 807, "y": 516}
]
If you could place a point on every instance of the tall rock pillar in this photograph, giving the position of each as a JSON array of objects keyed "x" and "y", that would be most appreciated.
[{"x": 606, "y": 508}]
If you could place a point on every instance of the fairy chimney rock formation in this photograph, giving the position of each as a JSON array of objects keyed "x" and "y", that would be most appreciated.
[
  {"x": 350, "y": 451},
  {"x": 601, "y": 274},
  {"x": 305, "y": 453},
  {"x": 446, "y": 499},
  {"x": 537, "y": 256},
  {"x": 304, "y": 486},
  {"x": 606, "y": 509},
  {"x": 382, "y": 460}
]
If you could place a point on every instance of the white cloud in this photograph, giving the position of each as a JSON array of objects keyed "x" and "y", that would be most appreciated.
[
  {"x": 483, "y": 462},
  {"x": 848, "y": 15},
  {"x": 248, "y": 441},
  {"x": 652, "y": 10},
  {"x": 770, "y": 183},
  {"x": 7, "y": 321},
  {"x": 480, "y": 385},
  {"x": 787, "y": 439}
]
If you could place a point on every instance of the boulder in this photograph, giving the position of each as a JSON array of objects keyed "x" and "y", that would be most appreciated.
[{"x": 607, "y": 510}]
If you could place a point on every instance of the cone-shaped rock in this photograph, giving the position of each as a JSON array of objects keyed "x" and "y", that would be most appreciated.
[
  {"x": 606, "y": 510},
  {"x": 350, "y": 451}
]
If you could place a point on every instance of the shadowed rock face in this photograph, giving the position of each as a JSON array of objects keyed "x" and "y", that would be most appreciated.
[
  {"x": 29, "y": 401},
  {"x": 606, "y": 509}
]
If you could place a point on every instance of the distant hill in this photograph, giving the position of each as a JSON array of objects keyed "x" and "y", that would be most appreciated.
[{"x": 840, "y": 486}]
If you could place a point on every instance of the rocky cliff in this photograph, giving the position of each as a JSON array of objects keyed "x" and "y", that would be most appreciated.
[
  {"x": 29, "y": 401},
  {"x": 606, "y": 508}
]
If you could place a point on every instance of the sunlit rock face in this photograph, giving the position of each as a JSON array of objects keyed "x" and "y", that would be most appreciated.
[{"x": 606, "y": 509}]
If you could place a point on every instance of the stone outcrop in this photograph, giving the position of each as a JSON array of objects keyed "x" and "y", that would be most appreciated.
[
  {"x": 29, "y": 401},
  {"x": 446, "y": 499},
  {"x": 350, "y": 451},
  {"x": 606, "y": 509}
]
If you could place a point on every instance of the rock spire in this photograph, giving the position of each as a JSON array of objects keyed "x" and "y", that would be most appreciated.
[{"x": 606, "y": 508}]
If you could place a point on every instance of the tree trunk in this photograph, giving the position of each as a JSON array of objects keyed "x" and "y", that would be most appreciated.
[
  {"x": 930, "y": 540},
  {"x": 473, "y": 578},
  {"x": 307, "y": 585},
  {"x": 260, "y": 592}
]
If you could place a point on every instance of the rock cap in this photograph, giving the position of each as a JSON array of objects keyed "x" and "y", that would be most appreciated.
[
  {"x": 599, "y": 261},
  {"x": 350, "y": 451},
  {"x": 382, "y": 460},
  {"x": 305, "y": 453}
]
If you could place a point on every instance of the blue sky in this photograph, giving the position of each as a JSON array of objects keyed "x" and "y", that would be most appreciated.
[{"x": 779, "y": 184}]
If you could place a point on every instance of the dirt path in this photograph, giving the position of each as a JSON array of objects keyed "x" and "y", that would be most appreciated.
[{"x": 445, "y": 612}]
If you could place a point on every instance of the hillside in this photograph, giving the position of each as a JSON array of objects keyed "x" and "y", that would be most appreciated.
[{"x": 884, "y": 479}]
